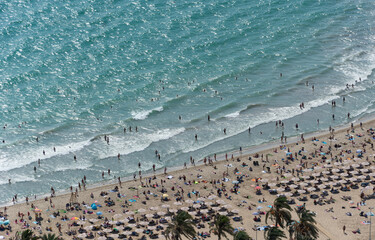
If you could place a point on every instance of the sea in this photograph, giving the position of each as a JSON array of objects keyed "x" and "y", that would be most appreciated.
[{"x": 75, "y": 72}]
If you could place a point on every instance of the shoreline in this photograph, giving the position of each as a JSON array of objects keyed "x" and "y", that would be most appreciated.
[
  {"x": 247, "y": 151},
  {"x": 203, "y": 179}
]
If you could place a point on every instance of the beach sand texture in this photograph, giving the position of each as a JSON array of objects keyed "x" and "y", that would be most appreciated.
[{"x": 330, "y": 217}]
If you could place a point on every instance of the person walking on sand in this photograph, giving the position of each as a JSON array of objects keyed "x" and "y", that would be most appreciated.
[{"x": 343, "y": 229}]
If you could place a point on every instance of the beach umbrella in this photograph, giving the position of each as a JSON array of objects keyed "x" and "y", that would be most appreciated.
[
  {"x": 223, "y": 213},
  {"x": 189, "y": 201},
  {"x": 196, "y": 205},
  {"x": 365, "y": 163},
  {"x": 235, "y": 211},
  {"x": 139, "y": 230},
  {"x": 107, "y": 230},
  {"x": 301, "y": 191},
  {"x": 272, "y": 184},
  {"x": 280, "y": 189},
  {"x": 258, "y": 188},
  {"x": 102, "y": 238},
  {"x": 169, "y": 218},
  {"x": 310, "y": 189},
  {"x": 295, "y": 179},
  {"x": 358, "y": 151},
  {"x": 322, "y": 186},
  {"x": 143, "y": 223},
  {"x": 129, "y": 213},
  {"x": 88, "y": 228},
  {"x": 288, "y": 175},
  {"x": 204, "y": 211},
  {"x": 328, "y": 165},
  {"x": 184, "y": 208},
  {"x": 326, "y": 172},
  {"x": 173, "y": 210},
  {"x": 335, "y": 177},
  {"x": 154, "y": 208},
  {"x": 365, "y": 170},
  {"x": 355, "y": 165},
  {"x": 201, "y": 199},
  {"x": 161, "y": 213},
  {"x": 112, "y": 222},
  {"x": 227, "y": 206},
  {"x": 303, "y": 184},
  {"x": 337, "y": 164},
  {"x": 353, "y": 179},
  {"x": 82, "y": 235},
  {"x": 132, "y": 225},
  {"x": 342, "y": 181},
  {"x": 284, "y": 181},
  {"x": 293, "y": 186},
  {"x": 316, "y": 174},
  {"x": 141, "y": 210},
  {"x": 113, "y": 235},
  {"x": 372, "y": 167},
  {"x": 220, "y": 201},
  {"x": 335, "y": 170},
  {"x": 211, "y": 197},
  {"x": 177, "y": 203},
  {"x": 99, "y": 213},
  {"x": 346, "y": 162},
  {"x": 216, "y": 208},
  {"x": 151, "y": 227},
  {"x": 93, "y": 220},
  {"x": 347, "y": 167},
  {"x": 354, "y": 172},
  {"x": 259, "y": 207},
  {"x": 344, "y": 174},
  {"x": 324, "y": 179},
  {"x": 193, "y": 213},
  {"x": 362, "y": 177},
  {"x": 81, "y": 222},
  {"x": 305, "y": 177},
  {"x": 314, "y": 181},
  {"x": 372, "y": 174},
  {"x": 308, "y": 170},
  {"x": 149, "y": 215},
  {"x": 165, "y": 206},
  {"x": 126, "y": 232},
  {"x": 124, "y": 220}
]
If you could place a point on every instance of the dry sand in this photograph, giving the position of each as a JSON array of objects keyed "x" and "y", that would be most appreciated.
[{"x": 330, "y": 224}]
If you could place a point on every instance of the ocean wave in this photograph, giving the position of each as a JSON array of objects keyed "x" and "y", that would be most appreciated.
[
  {"x": 23, "y": 157},
  {"x": 137, "y": 142},
  {"x": 141, "y": 115}
]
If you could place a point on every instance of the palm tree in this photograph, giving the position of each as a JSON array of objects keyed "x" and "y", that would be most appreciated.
[
  {"x": 182, "y": 225},
  {"x": 49, "y": 237},
  {"x": 274, "y": 233},
  {"x": 241, "y": 235},
  {"x": 305, "y": 228},
  {"x": 222, "y": 226},
  {"x": 280, "y": 212},
  {"x": 25, "y": 235}
]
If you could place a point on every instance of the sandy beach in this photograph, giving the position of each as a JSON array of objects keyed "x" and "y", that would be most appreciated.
[{"x": 345, "y": 158}]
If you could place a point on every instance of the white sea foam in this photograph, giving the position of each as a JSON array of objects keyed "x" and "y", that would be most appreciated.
[
  {"x": 141, "y": 115},
  {"x": 233, "y": 115},
  {"x": 12, "y": 160},
  {"x": 137, "y": 142}
]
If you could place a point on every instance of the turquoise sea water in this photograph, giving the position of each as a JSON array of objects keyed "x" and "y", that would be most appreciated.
[{"x": 75, "y": 71}]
